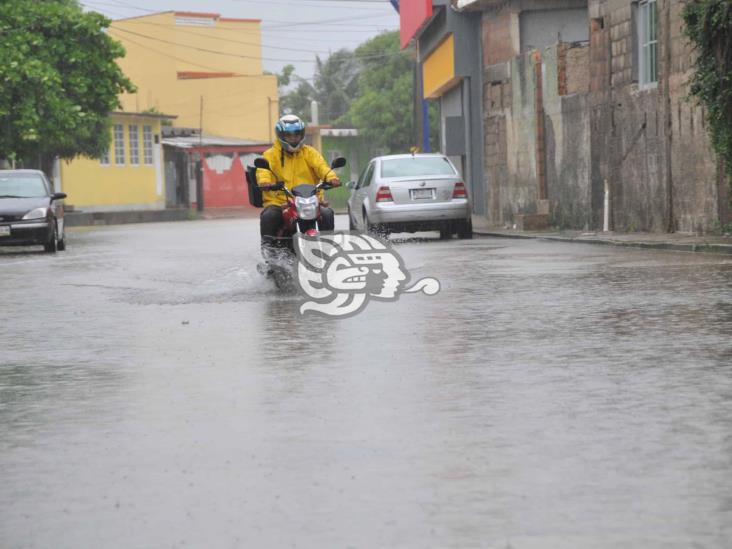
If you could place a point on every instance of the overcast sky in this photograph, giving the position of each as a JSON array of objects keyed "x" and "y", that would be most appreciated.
[{"x": 293, "y": 31}]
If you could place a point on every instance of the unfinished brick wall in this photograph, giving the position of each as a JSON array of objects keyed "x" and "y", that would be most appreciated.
[
  {"x": 699, "y": 201},
  {"x": 561, "y": 128},
  {"x": 599, "y": 58},
  {"x": 621, "y": 46},
  {"x": 497, "y": 37},
  {"x": 575, "y": 61},
  {"x": 497, "y": 101}
]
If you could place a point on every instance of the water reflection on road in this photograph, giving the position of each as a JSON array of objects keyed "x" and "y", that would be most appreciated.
[{"x": 154, "y": 391}]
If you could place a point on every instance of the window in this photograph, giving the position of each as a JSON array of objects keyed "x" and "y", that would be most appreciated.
[
  {"x": 23, "y": 185},
  {"x": 147, "y": 144},
  {"x": 647, "y": 43},
  {"x": 367, "y": 175},
  {"x": 134, "y": 144},
  {"x": 119, "y": 144},
  {"x": 416, "y": 166},
  {"x": 104, "y": 160}
]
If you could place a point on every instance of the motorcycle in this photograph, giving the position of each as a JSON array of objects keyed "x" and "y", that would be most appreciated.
[{"x": 300, "y": 215}]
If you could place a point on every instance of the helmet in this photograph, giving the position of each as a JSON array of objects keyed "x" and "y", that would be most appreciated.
[{"x": 290, "y": 131}]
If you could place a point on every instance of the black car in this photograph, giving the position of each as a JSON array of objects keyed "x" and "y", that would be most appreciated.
[{"x": 30, "y": 212}]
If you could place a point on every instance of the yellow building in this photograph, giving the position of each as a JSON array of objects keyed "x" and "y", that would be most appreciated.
[
  {"x": 202, "y": 67},
  {"x": 129, "y": 177}
]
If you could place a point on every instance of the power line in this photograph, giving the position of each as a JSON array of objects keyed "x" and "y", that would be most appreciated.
[
  {"x": 221, "y": 39},
  {"x": 219, "y": 52},
  {"x": 156, "y": 39},
  {"x": 118, "y": 3},
  {"x": 214, "y": 69},
  {"x": 297, "y": 23},
  {"x": 350, "y": 8}
]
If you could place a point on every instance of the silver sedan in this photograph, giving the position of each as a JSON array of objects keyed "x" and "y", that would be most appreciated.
[{"x": 410, "y": 193}]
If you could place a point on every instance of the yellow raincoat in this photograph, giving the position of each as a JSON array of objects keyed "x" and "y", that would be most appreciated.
[{"x": 304, "y": 166}]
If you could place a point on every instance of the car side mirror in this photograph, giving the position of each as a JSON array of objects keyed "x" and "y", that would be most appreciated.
[
  {"x": 338, "y": 163},
  {"x": 351, "y": 185},
  {"x": 262, "y": 164},
  {"x": 58, "y": 196}
]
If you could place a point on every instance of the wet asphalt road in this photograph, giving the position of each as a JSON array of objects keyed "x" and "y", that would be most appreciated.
[{"x": 156, "y": 392}]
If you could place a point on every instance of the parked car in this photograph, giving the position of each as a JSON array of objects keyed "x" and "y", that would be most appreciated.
[
  {"x": 410, "y": 193},
  {"x": 30, "y": 212}
]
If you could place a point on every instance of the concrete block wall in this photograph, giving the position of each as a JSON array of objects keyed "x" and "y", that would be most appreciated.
[
  {"x": 650, "y": 143},
  {"x": 498, "y": 35},
  {"x": 576, "y": 60},
  {"x": 567, "y": 134},
  {"x": 584, "y": 120},
  {"x": 700, "y": 196},
  {"x": 511, "y": 142}
]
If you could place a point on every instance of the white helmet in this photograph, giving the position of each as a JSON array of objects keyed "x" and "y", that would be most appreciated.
[{"x": 290, "y": 131}]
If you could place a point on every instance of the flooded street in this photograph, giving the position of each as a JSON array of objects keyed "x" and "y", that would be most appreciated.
[{"x": 156, "y": 391}]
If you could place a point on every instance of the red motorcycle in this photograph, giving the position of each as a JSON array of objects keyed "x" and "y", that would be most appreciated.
[{"x": 301, "y": 214}]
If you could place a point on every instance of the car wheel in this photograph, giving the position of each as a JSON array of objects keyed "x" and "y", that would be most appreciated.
[
  {"x": 373, "y": 230},
  {"x": 446, "y": 232},
  {"x": 52, "y": 245},
  {"x": 465, "y": 229},
  {"x": 62, "y": 242}
]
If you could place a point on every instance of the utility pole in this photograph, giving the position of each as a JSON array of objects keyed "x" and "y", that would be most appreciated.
[
  {"x": 200, "y": 124},
  {"x": 199, "y": 171},
  {"x": 668, "y": 121}
]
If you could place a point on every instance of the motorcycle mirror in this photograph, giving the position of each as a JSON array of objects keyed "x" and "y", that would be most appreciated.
[
  {"x": 338, "y": 163},
  {"x": 261, "y": 163}
]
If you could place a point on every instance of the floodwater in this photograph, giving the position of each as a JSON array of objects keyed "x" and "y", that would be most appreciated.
[{"x": 155, "y": 391}]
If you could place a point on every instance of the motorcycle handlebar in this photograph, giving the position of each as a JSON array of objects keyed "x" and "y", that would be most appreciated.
[{"x": 279, "y": 186}]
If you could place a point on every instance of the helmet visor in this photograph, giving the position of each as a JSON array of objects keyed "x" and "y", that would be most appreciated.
[{"x": 293, "y": 138}]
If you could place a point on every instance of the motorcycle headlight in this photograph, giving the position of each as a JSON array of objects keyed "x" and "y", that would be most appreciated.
[
  {"x": 307, "y": 208},
  {"x": 38, "y": 213}
]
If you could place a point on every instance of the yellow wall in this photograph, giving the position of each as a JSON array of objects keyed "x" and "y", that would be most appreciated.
[
  {"x": 243, "y": 106},
  {"x": 439, "y": 69},
  {"x": 92, "y": 185}
]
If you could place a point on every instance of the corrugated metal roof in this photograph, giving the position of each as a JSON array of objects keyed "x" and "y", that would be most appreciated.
[
  {"x": 147, "y": 114},
  {"x": 187, "y": 142}
]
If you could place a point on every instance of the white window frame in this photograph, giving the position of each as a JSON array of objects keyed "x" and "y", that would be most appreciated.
[
  {"x": 647, "y": 43},
  {"x": 119, "y": 145},
  {"x": 105, "y": 160},
  {"x": 134, "y": 133},
  {"x": 147, "y": 145}
]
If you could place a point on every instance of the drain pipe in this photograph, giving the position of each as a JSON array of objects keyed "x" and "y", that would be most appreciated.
[{"x": 606, "y": 209}]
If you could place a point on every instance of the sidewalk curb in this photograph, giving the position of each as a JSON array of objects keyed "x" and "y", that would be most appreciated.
[
  {"x": 84, "y": 219},
  {"x": 703, "y": 247}
]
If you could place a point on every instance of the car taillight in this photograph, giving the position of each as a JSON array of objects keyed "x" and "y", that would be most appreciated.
[
  {"x": 459, "y": 191},
  {"x": 384, "y": 195}
]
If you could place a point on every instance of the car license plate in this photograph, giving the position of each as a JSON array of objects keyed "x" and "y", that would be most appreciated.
[
  {"x": 4, "y": 230},
  {"x": 422, "y": 194}
]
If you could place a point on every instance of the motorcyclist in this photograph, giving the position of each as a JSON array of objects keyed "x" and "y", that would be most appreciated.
[{"x": 292, "y": 162}]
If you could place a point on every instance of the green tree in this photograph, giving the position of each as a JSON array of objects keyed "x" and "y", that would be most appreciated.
[
  {"x": 284, "y": 77},
  {"x": 336, "y": 83},
  {"x": 298, "y": 100},
  {"x": 383, "y": 109},
  {"x": 334, "y": 86},
  {"x": 58, "y": 80}
]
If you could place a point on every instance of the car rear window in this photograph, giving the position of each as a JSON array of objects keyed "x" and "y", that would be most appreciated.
[
  {"x": 22, "y": 185},
  {"x": 416, "y": 166}
]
